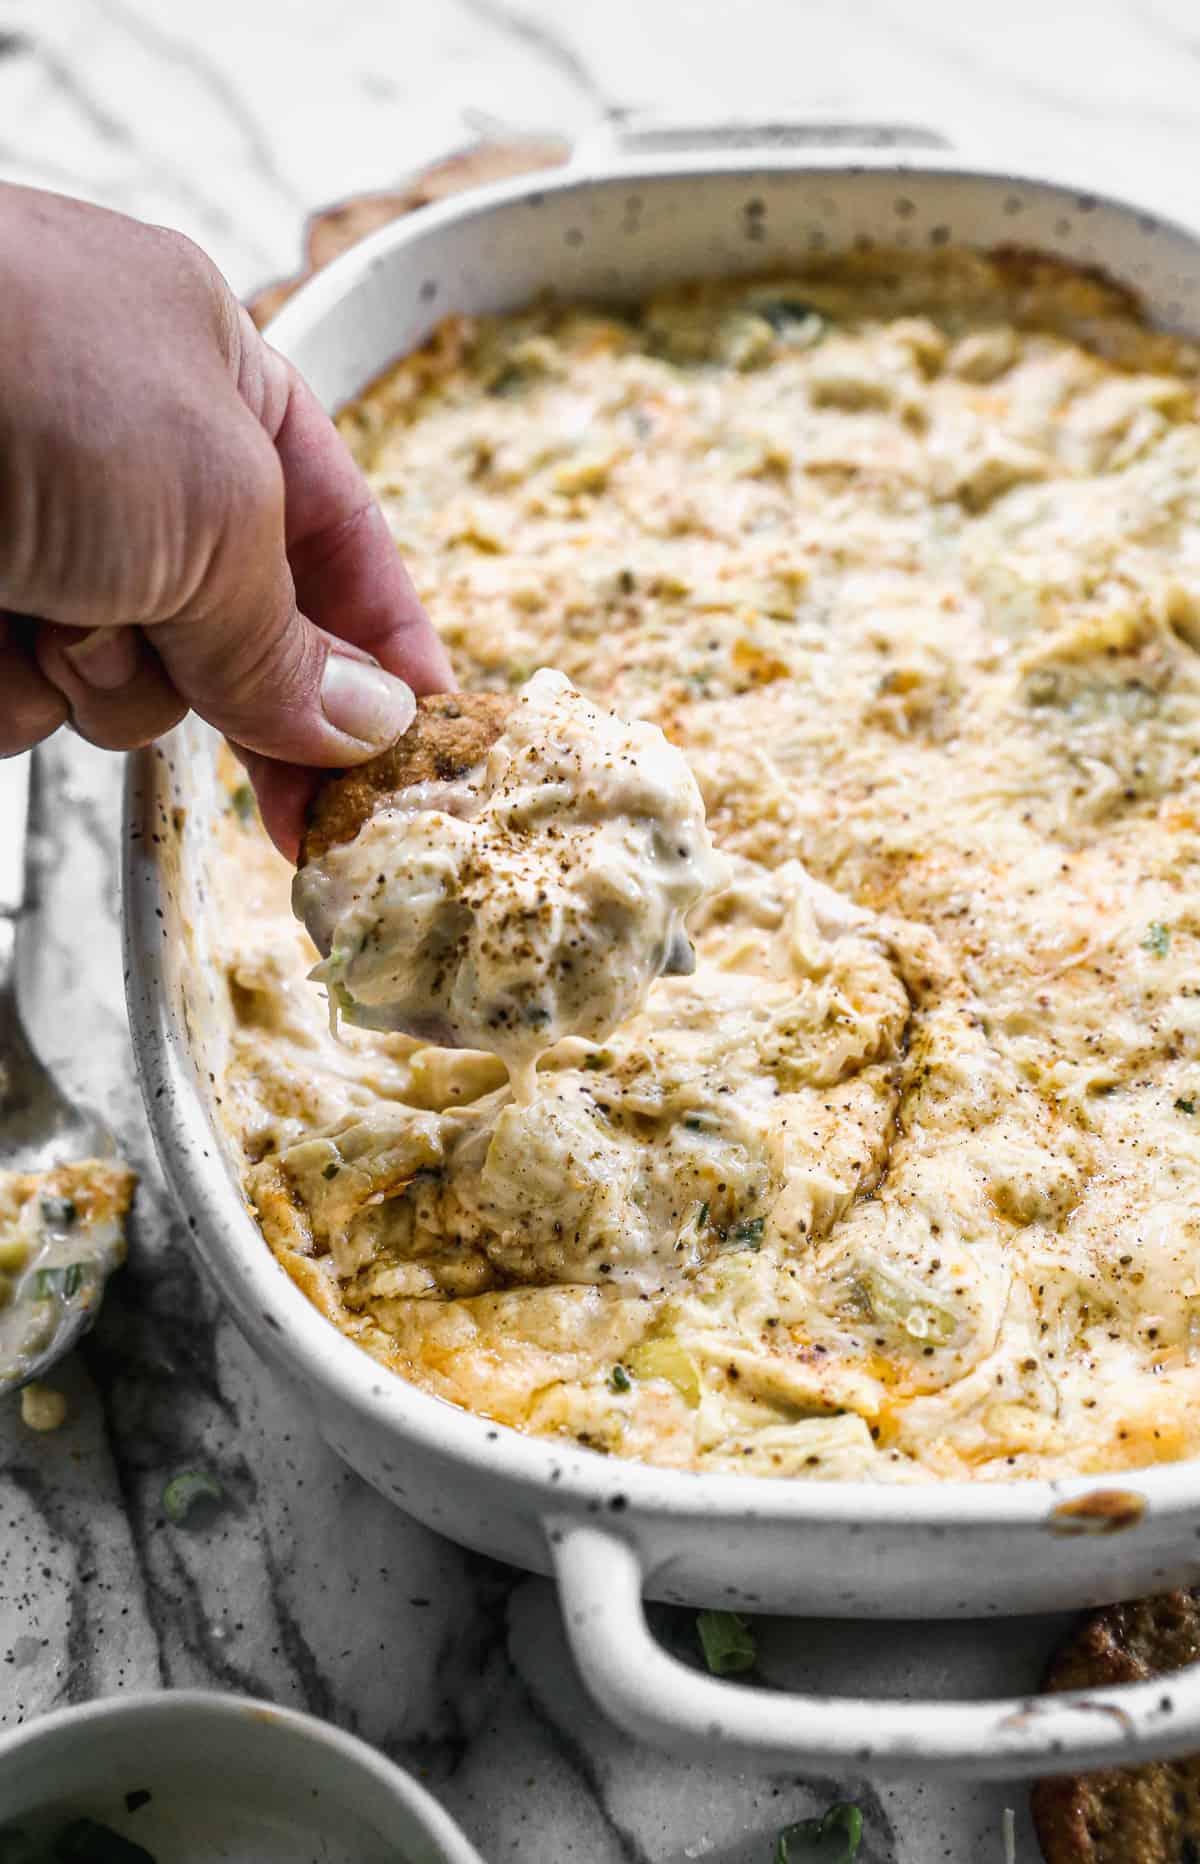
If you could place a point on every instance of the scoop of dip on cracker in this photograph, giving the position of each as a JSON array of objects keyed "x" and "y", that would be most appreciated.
[{"x": 515, "y": 870}]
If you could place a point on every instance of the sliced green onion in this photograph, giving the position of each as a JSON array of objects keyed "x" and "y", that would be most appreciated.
[
  {"x": 750, "y": 1231},
  {"x": 65, "y": 1282},
  {"x": 702, "y": 1217},
  {"x": 184, "y": 1490},
  {"x": 85, "y": 1842},
  {"x": 620, "y": 1380},
  {"x": 727, "y": 1642},
  {"x": 834, "y": 1839},
  {"x": 1157, "y": 939}
]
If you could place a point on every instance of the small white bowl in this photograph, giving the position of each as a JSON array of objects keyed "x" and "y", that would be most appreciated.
[{"x": 231, "y": 1781}]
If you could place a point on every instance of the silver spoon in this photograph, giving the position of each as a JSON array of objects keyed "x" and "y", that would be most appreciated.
[{"x": 39, "y": 1126}]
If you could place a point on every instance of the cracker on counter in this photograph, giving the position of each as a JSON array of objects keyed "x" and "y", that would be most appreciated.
[
  {"x": 336, "y": 228},
  {"x": 1127, "y": 1815},
  {"x": 451, "y": 733}
]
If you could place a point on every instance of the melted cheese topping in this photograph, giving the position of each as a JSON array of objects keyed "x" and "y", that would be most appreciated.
[
  {"x": 538, "y": 897},
  {"x": 904, "y": 1180}
]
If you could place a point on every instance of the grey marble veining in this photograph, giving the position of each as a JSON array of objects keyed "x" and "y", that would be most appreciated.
[{"x": 231, "y": 121}]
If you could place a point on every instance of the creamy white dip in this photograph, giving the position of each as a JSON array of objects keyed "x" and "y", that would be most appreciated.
[
  {"x": 904, "y": 1180},
  {"x": 538, "y": 897}
]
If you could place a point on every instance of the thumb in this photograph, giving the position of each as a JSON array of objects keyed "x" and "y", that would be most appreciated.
[{"x": 242, "y": 654}]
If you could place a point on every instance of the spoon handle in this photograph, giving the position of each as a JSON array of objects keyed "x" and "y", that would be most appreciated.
[{"x": 14, "y": 817}]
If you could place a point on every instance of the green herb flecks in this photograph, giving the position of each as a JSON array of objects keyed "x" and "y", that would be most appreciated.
[
  {"x": 85, "y": 1842},
  {"x": 1157, "y": 939},
  {"x": 620, "y": 1380},
  {"x": 833, "y": 1839},
  {"x": 47, "y": 1283},
  {"x": 59, "y": 1212},
  {"x": 184, "y": 1490},
  {"x": 702, "y": 1216},
  {"x": 792, "y": 319},
  {"x": 1185, "y": 1106},
  {"x": 750, "y": 1231},
  {"x": 331, "y": 1170},
  {"x": 599, "y": 1058},
  {"x": 1044, "y": 686},
  {"x": 510, "y": 380},
  {"x": 727, "y": 1642},
  {"x": 242, "y": 802}
]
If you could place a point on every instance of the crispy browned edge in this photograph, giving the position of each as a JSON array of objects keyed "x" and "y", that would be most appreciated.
[
  {"x": 451, "y": 733},
  {"x": 1135, "y": 1815},
  {"x": 1030, "y": 267},
  {"x": 335, "y": 229}
]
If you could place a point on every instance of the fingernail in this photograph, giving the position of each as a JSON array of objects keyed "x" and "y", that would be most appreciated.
[
  {"x": 365, "y": 702},
  {"x": 106, "y": 658}
]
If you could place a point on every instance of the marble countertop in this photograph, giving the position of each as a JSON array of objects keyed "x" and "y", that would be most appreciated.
[{"x": 231, "y": 121}]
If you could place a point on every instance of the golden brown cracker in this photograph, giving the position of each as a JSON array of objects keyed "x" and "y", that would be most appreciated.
[
  {"x": 335, "y": 229},
  {"x": 1133, "y": 1815},
  {"x": 451, "y": 733}
]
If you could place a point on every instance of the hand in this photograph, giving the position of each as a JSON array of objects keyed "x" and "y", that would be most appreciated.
[{"x": 180, "y": 524}]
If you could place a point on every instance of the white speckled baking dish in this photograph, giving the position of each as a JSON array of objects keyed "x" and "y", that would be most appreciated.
[{"x": 654, "y": 210}]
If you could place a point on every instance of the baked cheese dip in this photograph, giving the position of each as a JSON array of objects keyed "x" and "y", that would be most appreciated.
[
  {"x": 904, "y": 1179},
  {"x": 536, "y": 895}
]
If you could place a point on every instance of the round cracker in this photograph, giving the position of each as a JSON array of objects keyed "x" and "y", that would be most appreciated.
[
  {"x": 451, "y": 733},
  {"x": 336, "y": 228},
  {"x": 1134, "y": 1815}
]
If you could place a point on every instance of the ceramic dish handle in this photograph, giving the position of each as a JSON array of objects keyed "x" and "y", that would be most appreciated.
[
  {"x": 651, "y": 1695},
  {"x": 646, "y": 133}
]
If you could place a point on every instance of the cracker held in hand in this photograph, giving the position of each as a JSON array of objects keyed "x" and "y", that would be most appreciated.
[
  {"x": 451, "y": 733},
  {"x": 1128, "y": 1815}
]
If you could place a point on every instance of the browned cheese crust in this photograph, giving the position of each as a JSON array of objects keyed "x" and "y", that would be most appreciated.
[
  {"x": 451, "y": 733},
  {"x": 100, "y": 1189},
  {"x": 1136, "y": 1815}
]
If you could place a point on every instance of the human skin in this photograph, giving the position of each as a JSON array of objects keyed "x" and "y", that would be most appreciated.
[{"x": 180, "y": 525}]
